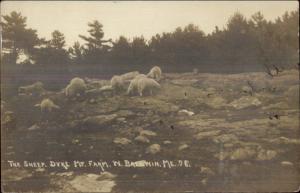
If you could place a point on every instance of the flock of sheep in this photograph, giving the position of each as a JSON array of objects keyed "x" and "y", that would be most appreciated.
[{"x": 136, "y": 84}]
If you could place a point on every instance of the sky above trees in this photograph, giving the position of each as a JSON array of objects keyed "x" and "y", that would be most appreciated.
[{"x": 132, "y": 19}]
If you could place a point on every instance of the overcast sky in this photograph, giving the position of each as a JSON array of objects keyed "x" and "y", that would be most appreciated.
[{"x": 136, "y": 18}]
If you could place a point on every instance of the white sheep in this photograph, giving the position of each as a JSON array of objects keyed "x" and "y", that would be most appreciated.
[
  {"x": 117, "y": 83},
  {"x": 155, "y": 73},
  {"x": 37, "y": 88},
  {"x": 130, "y": 75},
  {"x": 133, "y": 86},
  {"x": 47, "y": 105},
  {"x": 77, "y": 87},
  {"x": 147, "y": 85}
]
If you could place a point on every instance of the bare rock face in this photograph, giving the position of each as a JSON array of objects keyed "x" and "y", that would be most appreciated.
[
  {"x": 207, "y": 134},
  {"x": 87, "y": 183},
  {"x": 243, "y": 154},
  {"x": 245, "y": 101},
  {"x": 125, "y": 113},
  {"x": 293, "y": 96},
  {"x": 153, "y": 149},
  {"x": 266, "y": 155},
  {"x": 226, "y": 139},
  {"x": 16, "y": 174},
  {"x": 99, "y": 120},
  {"x": 216, "y": 102}
]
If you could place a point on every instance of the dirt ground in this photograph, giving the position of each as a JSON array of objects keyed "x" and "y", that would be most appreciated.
[{"x": 238, "y": 132}]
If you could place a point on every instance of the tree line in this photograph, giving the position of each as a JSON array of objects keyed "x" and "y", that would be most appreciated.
[{"x": 251, "y": 44}]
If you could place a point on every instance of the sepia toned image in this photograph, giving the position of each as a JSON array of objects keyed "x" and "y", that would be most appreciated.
[{"x": 152, "y": 97}]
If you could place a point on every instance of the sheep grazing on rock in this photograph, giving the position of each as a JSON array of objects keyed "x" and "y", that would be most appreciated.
[
  {"x": 95, "y": 83},
  {"x": 77, "y": 87},
  {"x": 147, "y": 86},
  {"x": 33, "y": 89},
  {"x": 155, "y": 73},
  {"x": 133, "y": 86},
  {"x": 117, "y": 83},
  {"x": 47, "y": 105},
  {"x": 130, "y": 75},
  {"x": 140, "y": 76}
]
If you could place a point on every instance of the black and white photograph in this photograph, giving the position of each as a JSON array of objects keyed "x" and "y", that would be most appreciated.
[{"x": 149, "y": 96}]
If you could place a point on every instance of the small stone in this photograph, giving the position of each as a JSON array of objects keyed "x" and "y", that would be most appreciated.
[
  {"x": 186, "y": 112},
  {"x": 121, "y": 119},
  {"x": 99, "y": 120},
  {"x": 167, "y": 142},
  {"x": 204, "y": 181},
  {"x": 182, "y": 147},
  {"x": 286, "y": 163},
  {"x": 266, "y": 155},
  {"x": 142, "y": 139},
  {"x": 40, "y": 170},
  {"x": 242, "y": 154},
  {"x": 92, "y": 101},
  {"x": 207, "y": 134},
  {"x": 122, "y": 141},
  {"x": 207, "y": 171},
  {"x": 75, "y": 141},
  {"x": 147, "y": 132},
  {"x": 106, "y": 175},
  {"x": 134, "y": 176},
  {"x": 65, "y": 174},
  {"x": 153, "y": 149},
  {"x": 33, "y": 127}
]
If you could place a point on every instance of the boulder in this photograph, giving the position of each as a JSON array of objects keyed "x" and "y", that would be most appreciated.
[
  {"x": 264, "y": 155},
  {"x": 167, "y": 142},
  {"x": 183, "y": 147},
  {"x": 153, "y": 149},
  {"x": 122, "y": 141},
  {"x": 147, "y": 133},
  {"x": 89, "y": 183},
  {"x": 207, "y": 171},
  {"x": 286, "y": 163},
  {"x": 142, "y": 139},
  {"x": 186, "y": 112},
  {"x": 243, "y": 154}
]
